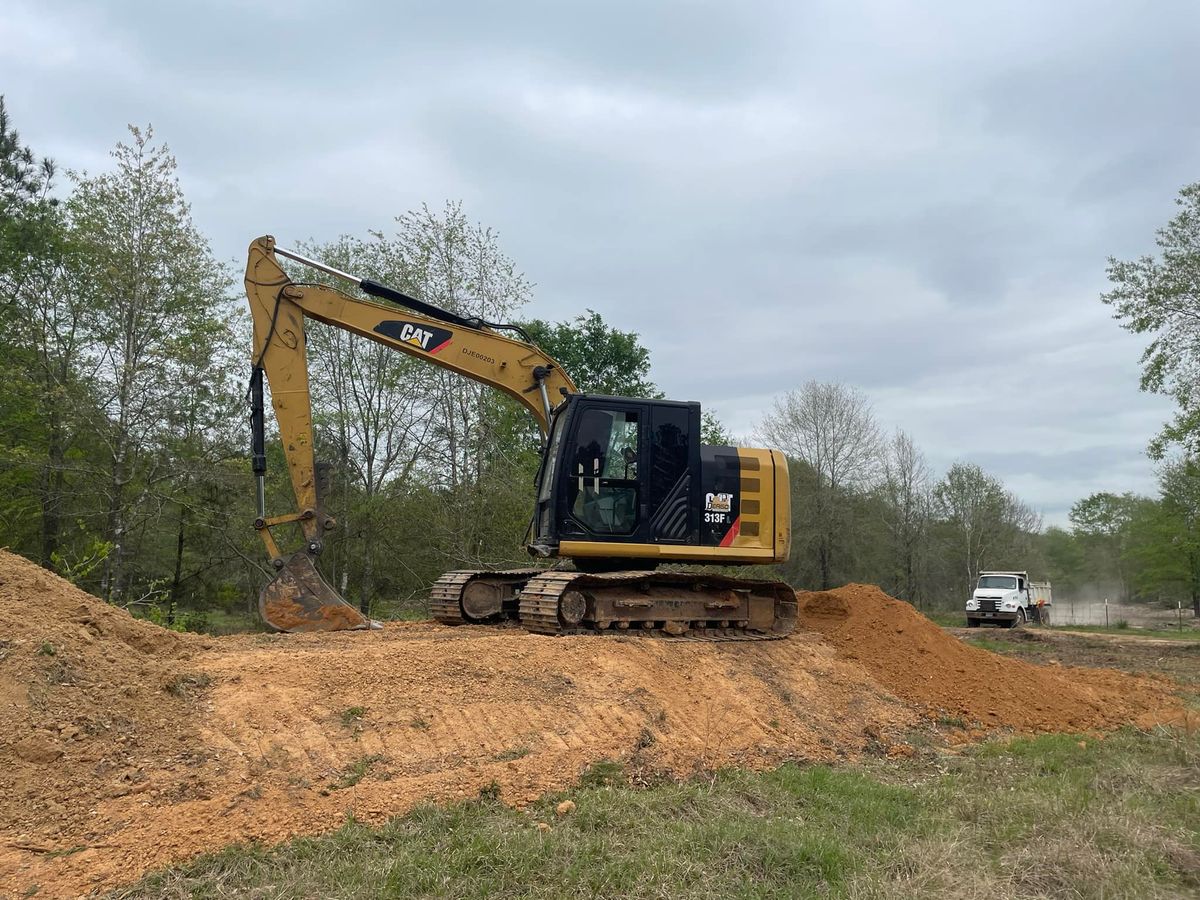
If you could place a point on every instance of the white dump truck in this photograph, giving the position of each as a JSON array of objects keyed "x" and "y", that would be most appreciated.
[{"x": 1009, "y": 599}]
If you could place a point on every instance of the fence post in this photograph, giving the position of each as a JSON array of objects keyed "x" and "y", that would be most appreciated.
[{"x": 1105, "y": 612}]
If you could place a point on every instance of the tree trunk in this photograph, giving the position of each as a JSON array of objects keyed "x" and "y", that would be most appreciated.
[
  {"x": 173, "y": 602},
  {"x": 52, "y": 491},
  {"x": 113, "y": 570}
]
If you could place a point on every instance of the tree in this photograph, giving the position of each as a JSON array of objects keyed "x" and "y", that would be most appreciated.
[
  {"x": 598, "y": 358},
  {"x": 1101, "y": 523},
  {"x": 830, "y": 428},
  {"x": 154, "y": 297},
  {"x": 713, "y": 431},
  {"x": 1179, "y": 484},
  {"x": 372, "y": 410},
  {"x": 1066, "y": 565},
  {"x": 905, "y": 490},
  {"x": 40, "y": 342},
  {"x": 987, "y": 526},
  {"x": 1161, "y": 297},
  {"x": 1163, "y": 537},
  {"x": 25, "y": 206}
]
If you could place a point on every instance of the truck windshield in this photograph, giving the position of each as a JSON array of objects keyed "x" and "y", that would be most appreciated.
[{"x": 997, "y": 582}]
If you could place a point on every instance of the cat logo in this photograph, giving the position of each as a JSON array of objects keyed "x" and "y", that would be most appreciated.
[
  {"x": 429, "y": 338},
  {"x": 718, "y": 503}
]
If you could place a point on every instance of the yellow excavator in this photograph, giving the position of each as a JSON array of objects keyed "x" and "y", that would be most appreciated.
[{"x": 624, "y": 483}]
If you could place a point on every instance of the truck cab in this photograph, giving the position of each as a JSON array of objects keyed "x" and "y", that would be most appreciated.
[{"x": 1009, "y": 599}]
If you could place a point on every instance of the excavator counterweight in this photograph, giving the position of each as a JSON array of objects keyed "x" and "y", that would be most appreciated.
[{"x": 625, "y": 484}]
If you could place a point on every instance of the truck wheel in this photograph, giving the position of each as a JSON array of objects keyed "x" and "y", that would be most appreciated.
[
  {"x": 1019, "y": 620},
  {"x": 972, "y": 623},
  {"x": 1044, "y": 616}
]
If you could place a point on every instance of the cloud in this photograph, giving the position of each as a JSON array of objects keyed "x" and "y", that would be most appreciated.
[{"x": 917, "y": 199}]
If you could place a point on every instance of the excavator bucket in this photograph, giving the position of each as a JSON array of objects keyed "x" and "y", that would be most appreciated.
[{"x": 299, "y": 599}]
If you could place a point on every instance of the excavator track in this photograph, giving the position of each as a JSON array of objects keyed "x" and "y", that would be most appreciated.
[
  {"x": 469, "y": 596},
  {"x": 679, "y": 605}
]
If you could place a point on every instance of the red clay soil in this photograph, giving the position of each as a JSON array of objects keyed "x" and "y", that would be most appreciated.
[
  {"x": 919, "y": 662},
  {"x": 125, "y": 747}
]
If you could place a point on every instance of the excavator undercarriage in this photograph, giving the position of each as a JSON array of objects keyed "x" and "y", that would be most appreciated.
[{"x": 687, "y": 605}]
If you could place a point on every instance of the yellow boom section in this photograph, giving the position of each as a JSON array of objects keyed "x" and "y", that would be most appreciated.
[
  {"x": 298, "y": 599},
  {"x": 279, "y": 306}
]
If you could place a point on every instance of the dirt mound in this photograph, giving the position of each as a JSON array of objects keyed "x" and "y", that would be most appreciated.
[
  {"x": 86, "y": 704},
  {"x": 918, "y": 661},
  {"x": 125, "y": 747}
]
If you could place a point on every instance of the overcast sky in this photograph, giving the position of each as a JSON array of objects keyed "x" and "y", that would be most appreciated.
[{"x": 916, "y": 199}]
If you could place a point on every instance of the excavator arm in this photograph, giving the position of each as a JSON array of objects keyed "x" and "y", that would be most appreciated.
[{"x": 298, "y": 599}]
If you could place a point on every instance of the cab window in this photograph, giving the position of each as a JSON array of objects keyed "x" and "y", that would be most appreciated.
[{"x": 603, "y": 488}]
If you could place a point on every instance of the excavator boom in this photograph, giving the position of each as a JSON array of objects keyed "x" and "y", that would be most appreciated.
[{"x": 298, "y": 599}]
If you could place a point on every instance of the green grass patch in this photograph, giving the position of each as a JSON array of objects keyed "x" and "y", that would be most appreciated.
[
  {"x": 947, "y": 619},
  {"x": 356, "y": 771},
  {"x": 1066, "y": 816},
  {"x": 1189, "y": 633}
]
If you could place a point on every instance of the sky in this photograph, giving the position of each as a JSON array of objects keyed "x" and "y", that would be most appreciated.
[{"x": 916, "y": 199}]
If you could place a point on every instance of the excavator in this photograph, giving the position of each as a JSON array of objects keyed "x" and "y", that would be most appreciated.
[{"x": 625, "y": 485}]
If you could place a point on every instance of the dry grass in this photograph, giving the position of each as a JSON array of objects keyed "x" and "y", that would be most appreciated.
[{"x": 1054, "y": 816}]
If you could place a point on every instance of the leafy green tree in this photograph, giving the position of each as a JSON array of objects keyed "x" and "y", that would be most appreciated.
[
  {"x": 1160, "y": 296},
  {"x": 713, "y": 431},
  {"x": 1101, "y": 523},
  {"x": 40, "y": 343},
  {"x": 28, "y": 229},
  {"x": 157, "y": 306},
  {"x": 1066, "y": 561},
  {"x": 600, "y": 359},
  {"x": 985, "y": 526},
  {"x": 1163, "y": 537}
]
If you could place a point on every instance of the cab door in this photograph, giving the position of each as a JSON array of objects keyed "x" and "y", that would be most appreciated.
[{"x": 600, "y": 485}]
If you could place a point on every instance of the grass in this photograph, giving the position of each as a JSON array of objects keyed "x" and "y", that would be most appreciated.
[
  {"x": 1061, "y": 816},
  {"x": 946, "y": 619},
  {"x": 356, "y": 771},
  {"x": 1188, "y": 633}
]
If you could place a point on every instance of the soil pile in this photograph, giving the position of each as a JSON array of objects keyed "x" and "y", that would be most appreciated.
[
  {"x": 90, "y": 703},
  {"x": 124, "y": 747},
  {"x": 918, "y": 661}
]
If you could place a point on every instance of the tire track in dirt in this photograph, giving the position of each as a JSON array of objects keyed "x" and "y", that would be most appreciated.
[{"x": 144, "y": 748}]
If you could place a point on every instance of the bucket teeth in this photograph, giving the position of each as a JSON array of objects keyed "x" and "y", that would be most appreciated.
[{"x": 299, "y": 599}]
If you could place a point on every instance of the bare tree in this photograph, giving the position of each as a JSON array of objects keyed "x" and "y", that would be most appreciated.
[
  {"x": 396, "y": 422},
  {"x": 906, "y": 493},
  {"x": 369, "y": 408},
  {"x": 830, "y": 428}
]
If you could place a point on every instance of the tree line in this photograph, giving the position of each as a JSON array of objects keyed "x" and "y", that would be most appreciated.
[{"x": 124, "y": 349}]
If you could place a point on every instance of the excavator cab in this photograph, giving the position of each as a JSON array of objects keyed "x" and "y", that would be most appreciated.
[
  {"x": 618, "y": 471},
  {"x": 626, "y": 483}
]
